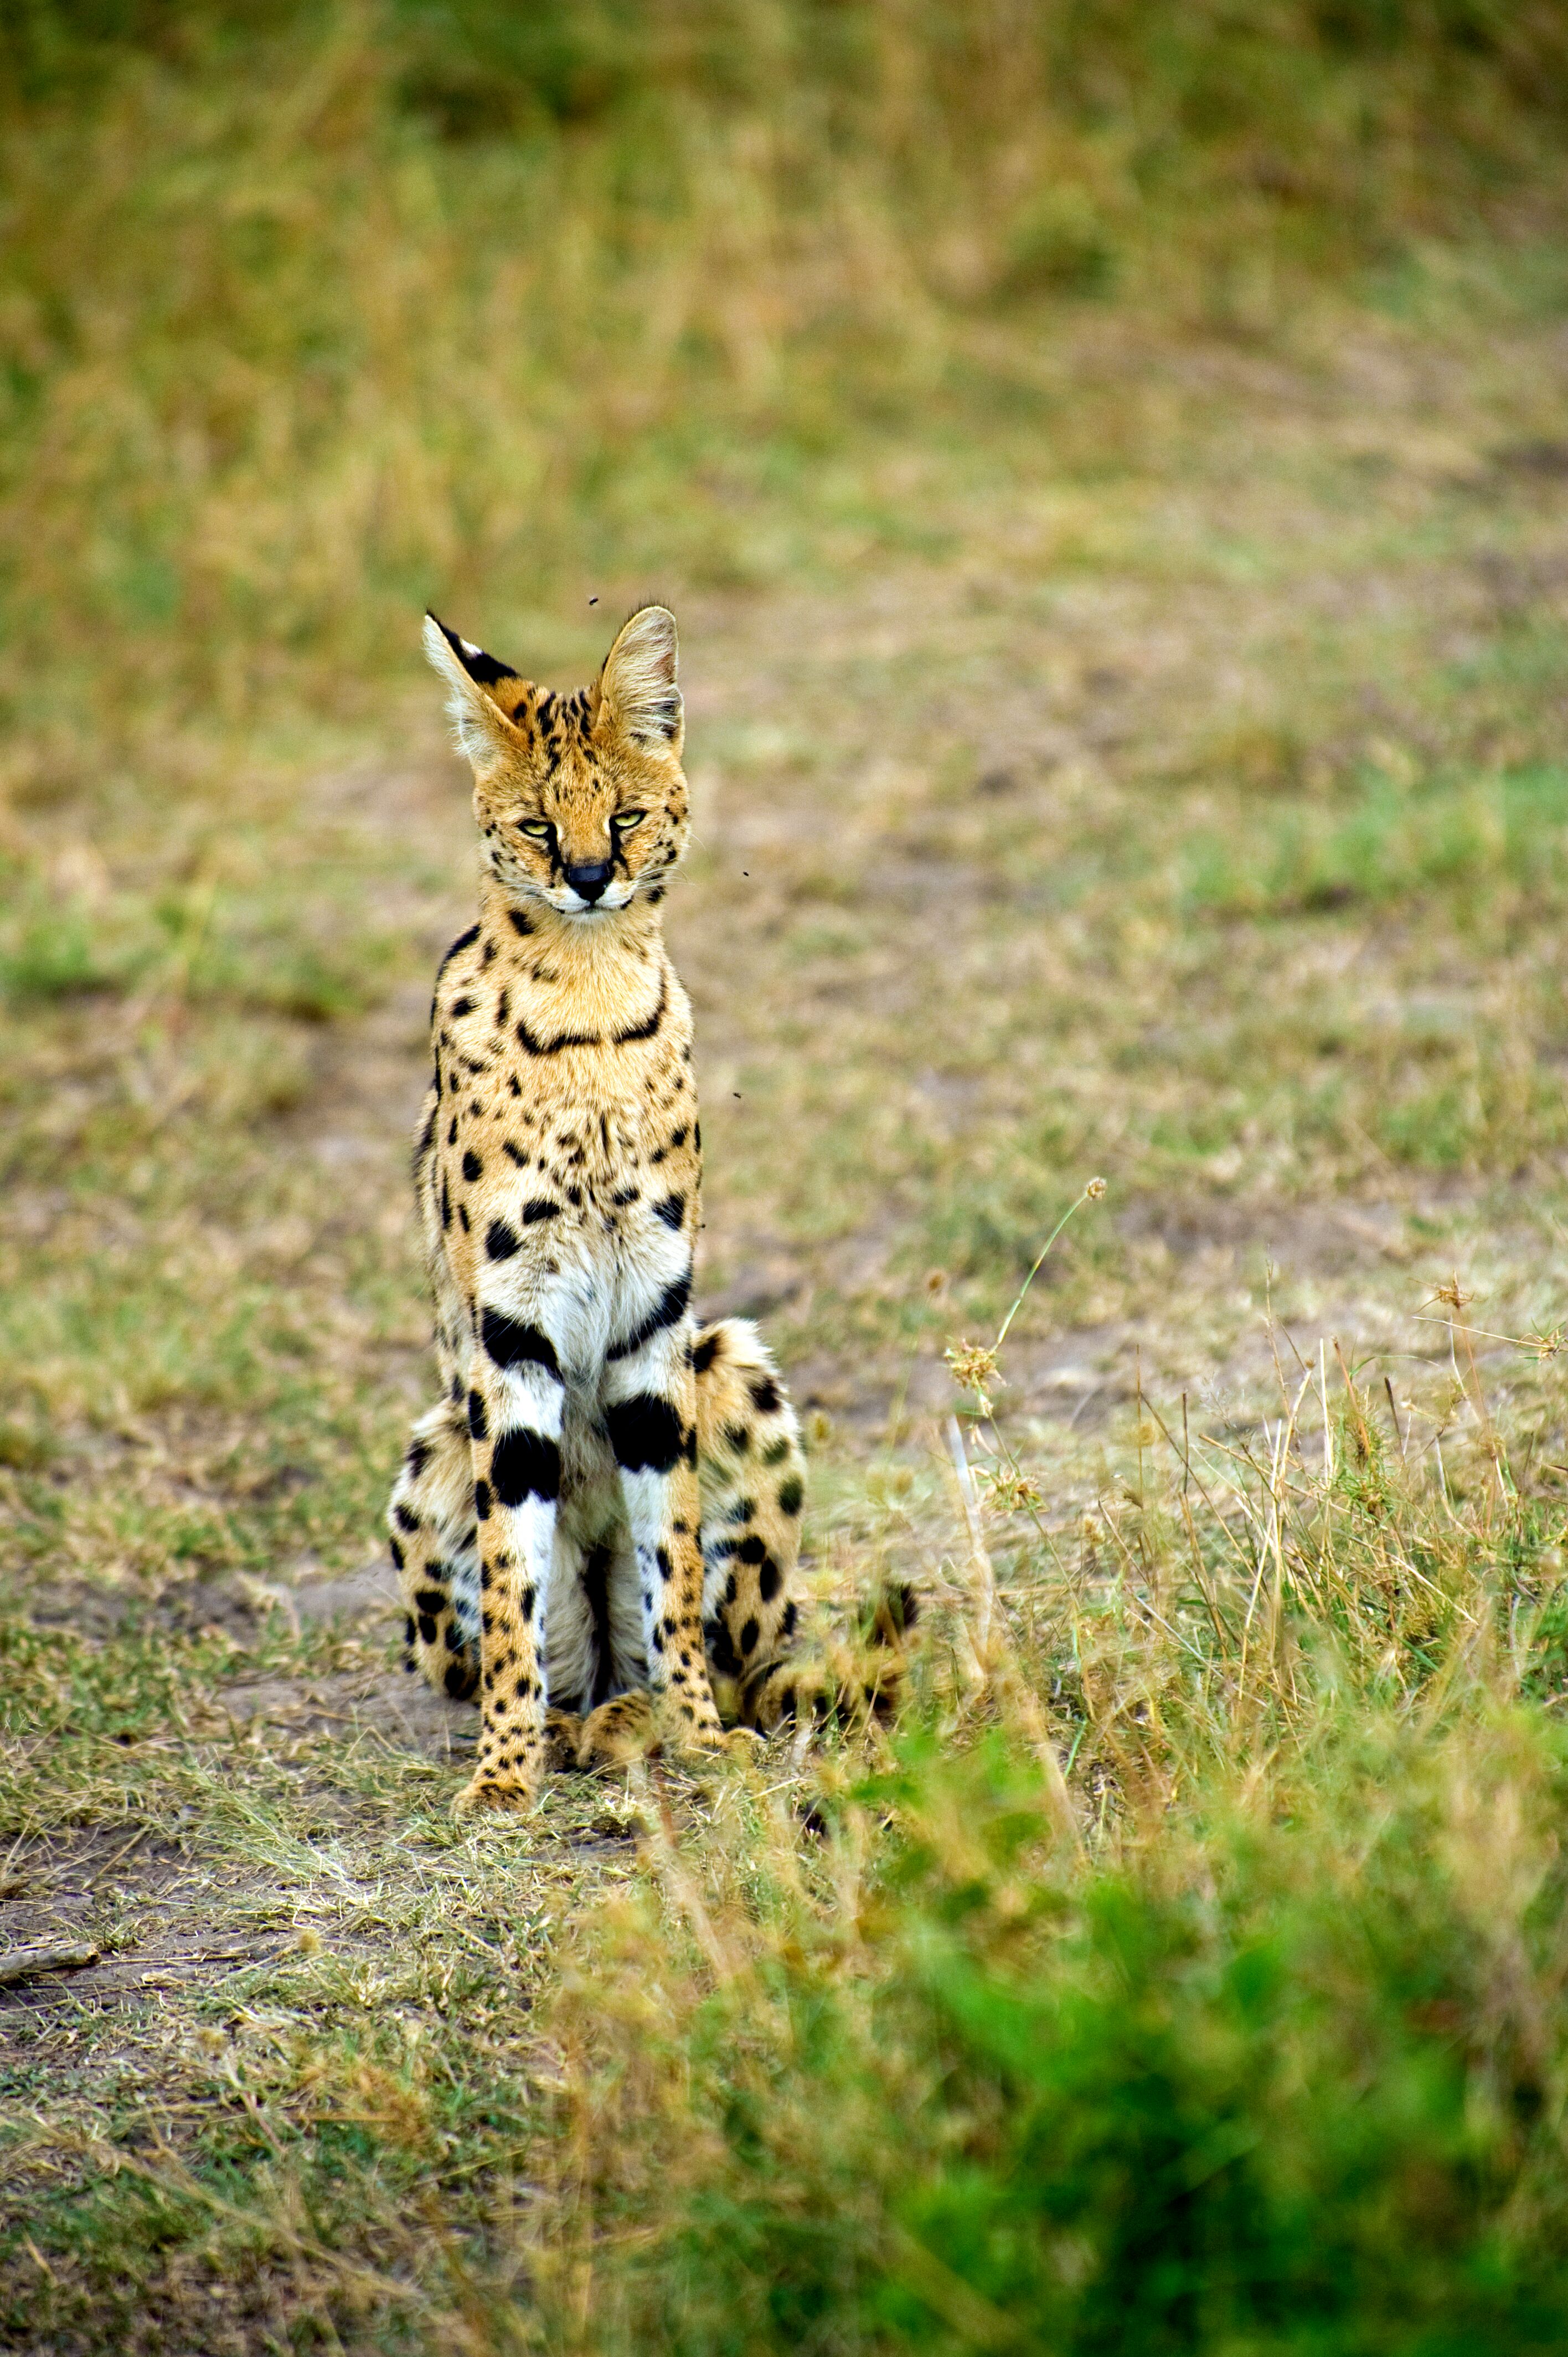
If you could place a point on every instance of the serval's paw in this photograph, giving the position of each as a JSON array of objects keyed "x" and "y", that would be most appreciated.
[
  {"x": 617, "y": 1733},
  {"x": 563, "y": 1734},
  {"x": 690, "y": 1730},
  {"x": 489, "y": 1791}
]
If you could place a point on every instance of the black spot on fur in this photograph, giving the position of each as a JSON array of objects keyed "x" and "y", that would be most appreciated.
[
  {"x": 667, "y": 1311},
  {"x": 481, "y": 1502},
  {"x": 721, "y": 1649},
  {"x": 764, "y": 1395},
  {"x": 769, "y": 1579},
  {"x": 596, "y": 1589},
  {"x": 751, "y": 1550},
  {"x": 748, "y": 1637},
  {"x": 458, "y": 1681},
  {"x": 460, "y": 943},
  {"x": 645, "y": 1434},
  {"x": 899, "y": 1610},
  {"x": 645, "y": 1030},
  {"x": 514, "y": 1154},
  {"x": 518, "y": 922},
  {"x": 479, "y": 1423},
  {"x": 673, "y": 1211},
  {"x": 429, "y": 1599},
  {"x": 395, "y": 1549},
  {"x": 791, "y": 1495},
  {"x": 416, "y": 1457},
  {"x": 405, "y": 1521},
  {"x": 792, "y": 1614},
  {"x": 735, "y": 1438},
  {"x": 501, "y": 1242},
  {"x": 538, "y": 1047},
  {"x": 462, "y": 1006},
  {"x": 427, "y": 1628},
  {"x": 472, "y": 1167},
  {"x": 538, "y": 1207},
  {"x": 525, "y": 1464},
  {"x": 661, "y": 1557},
  {"x": 453, "y": 1638},
  {"x": 708, "y": 1350},
  {"x": 510, "y": 1343}
]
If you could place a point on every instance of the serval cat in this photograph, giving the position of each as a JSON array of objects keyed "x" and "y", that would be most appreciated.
[{"x": 598, "y": 1523}]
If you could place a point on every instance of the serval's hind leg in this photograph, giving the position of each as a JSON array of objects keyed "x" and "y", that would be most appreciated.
[{"x": 431, "y": 1523}]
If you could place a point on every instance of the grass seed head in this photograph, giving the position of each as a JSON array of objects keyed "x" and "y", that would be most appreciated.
[{"x": 975, "y": 1369}]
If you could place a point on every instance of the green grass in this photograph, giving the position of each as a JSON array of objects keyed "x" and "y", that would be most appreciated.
[{"x": 1108, "y": 462}]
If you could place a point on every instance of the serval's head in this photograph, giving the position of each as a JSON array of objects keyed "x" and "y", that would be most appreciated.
[{"x": 580, "y": 800}]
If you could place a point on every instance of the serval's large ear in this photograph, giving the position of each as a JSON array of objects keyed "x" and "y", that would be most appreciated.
[
  {"x": 637, "y": 686},
  {"x": 475, "y": 682}
]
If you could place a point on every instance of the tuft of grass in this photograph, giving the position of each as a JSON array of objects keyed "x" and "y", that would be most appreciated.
[{"x": 1247, "y": 2033}]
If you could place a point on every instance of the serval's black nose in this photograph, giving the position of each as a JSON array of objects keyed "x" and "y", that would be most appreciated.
[{"x": 589, "y": 882}]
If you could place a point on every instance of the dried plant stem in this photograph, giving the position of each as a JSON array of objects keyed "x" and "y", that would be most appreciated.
[
  {"x": 993, "y": 1652},
  {"x": 1091, "y": 1193}
]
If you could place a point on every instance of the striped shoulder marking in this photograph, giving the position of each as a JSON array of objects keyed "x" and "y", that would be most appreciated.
[
  {"x": 645, "y": 1030},
  {"x": 462, "y": 942},
  {"x": 538, "y": 1047}
]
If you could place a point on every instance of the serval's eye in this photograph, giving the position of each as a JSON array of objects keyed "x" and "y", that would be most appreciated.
[
  {"x": 625, "y": 821},
  {"x": 540, "y": 828}
]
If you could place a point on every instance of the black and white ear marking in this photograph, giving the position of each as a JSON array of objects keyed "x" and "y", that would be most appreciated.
[
  {"x": 479, "y": 666},
  {"x": 638, "y": 679},
  {"x": 480, "y": 727}
]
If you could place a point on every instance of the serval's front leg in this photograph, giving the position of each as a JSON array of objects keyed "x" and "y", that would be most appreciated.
[
  {"x": 515, "y": 1405},
  {"x": 649, "y": 1410}
]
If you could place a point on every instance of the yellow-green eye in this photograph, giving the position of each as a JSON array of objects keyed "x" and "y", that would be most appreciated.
[
  {"x": 625, "y": 819},
  {"x": 540, "y": 828}
]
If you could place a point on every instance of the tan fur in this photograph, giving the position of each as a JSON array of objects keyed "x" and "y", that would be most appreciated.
[{"x": 600, "y": 1517}]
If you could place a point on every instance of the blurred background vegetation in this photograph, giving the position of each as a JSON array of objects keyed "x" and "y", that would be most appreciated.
[
  {"x": 1111, "y": 461},
  {"x": 311, "y": 313}
]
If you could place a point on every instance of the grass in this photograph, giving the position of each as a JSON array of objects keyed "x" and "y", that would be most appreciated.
[{"x": 1109, "y": 467}]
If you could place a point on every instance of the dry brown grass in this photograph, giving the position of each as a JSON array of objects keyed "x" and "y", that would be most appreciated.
[{"x": 1126, "y": 739}]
